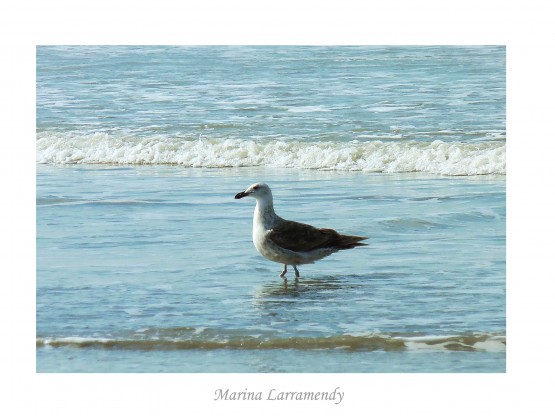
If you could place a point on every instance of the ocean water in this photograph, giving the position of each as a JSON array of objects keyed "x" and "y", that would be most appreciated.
[{"x": 145, "y": 261}]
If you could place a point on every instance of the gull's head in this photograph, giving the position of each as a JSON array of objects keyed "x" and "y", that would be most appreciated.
[{"x": 257, "y": 190}]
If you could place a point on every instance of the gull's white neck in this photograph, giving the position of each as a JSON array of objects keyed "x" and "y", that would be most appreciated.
[
  {"x": 263, "y": 220},
  {"x": 264, "y": 214}
]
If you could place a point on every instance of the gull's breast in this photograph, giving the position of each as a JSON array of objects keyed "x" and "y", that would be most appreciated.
[{"x": 265, "y": 247}]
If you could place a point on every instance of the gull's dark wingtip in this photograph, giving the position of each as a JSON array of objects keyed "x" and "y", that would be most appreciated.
[{"x": 350, "y": 241}]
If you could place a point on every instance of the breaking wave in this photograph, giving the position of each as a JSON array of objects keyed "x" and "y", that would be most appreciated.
[{"x": 437, "y": 157}]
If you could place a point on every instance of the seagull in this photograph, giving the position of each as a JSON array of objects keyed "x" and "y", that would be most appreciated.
[{"x": 288, "y": 242}]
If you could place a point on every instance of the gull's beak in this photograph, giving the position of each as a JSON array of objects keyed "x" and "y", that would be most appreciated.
[{"x": 241, "y": 195}]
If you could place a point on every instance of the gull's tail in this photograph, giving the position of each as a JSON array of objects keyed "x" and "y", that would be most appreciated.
[{"x": 346, "y": 242}]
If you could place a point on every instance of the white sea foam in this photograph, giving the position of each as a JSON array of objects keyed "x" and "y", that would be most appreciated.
[
  {"x": 308, "y": 109},
  {"x": 472, "y": 342},
  {"x": 438, "y": 157}
]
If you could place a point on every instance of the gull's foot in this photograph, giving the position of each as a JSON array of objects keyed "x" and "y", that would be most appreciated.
[{"x": 282, "y": 275}]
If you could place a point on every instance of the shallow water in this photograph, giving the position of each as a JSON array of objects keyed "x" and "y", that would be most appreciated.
[{"x": 156, "y": 263}]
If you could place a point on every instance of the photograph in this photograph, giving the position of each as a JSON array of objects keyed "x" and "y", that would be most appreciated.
[{"x": 271, "y": 209}]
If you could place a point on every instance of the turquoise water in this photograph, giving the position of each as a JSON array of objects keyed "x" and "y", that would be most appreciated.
[{"x": 145, "y": 261}]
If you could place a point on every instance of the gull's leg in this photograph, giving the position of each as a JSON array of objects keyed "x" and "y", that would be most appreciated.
[
  {"x": 282, "y": 275},
  {"x": 297, "y": 274}
]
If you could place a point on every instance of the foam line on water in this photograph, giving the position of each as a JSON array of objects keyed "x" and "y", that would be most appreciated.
[
  {"x": 437, "y": 157},
  {"x": 208, "y": 341}
]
